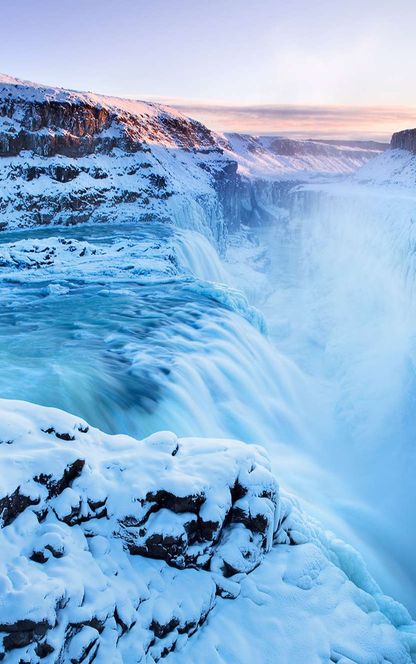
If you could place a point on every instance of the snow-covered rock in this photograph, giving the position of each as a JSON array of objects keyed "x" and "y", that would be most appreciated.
[
  {"x": 117, "y": 550},
  {"x": 68, "y": 157},
  {"x": 77, "y": 507},
  {"x": 272, "y": 166}
]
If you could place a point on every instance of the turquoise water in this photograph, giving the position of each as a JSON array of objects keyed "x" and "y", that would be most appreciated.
[{"x": 129, "y": 328}]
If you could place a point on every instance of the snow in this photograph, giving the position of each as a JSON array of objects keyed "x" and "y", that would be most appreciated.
[
  {"x": 260, "y": 157},
  {"x": 296, "y": 607},
  {"x": 129, "y": 545},
  {"x": 71, "y": 579},
  {"x": 28, "y": 91},
  {"x": 394, "y": 167}
]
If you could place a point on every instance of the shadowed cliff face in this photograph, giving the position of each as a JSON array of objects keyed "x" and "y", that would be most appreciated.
[{"x": 404, "y": 140}]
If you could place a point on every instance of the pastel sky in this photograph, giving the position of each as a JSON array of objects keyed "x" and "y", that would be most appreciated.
[{"x": 303, "y": 67}]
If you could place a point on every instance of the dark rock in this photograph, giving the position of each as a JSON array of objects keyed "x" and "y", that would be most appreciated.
[
  {"x": 23, "y": 632},
  {"x": 13, "y": 505},
  {"x": 177, "y": 504},
  {"x": 57, "y": 553},
  {"x": 162, "y": 630},
  {"x": 98, "y": 173},
  {"x": 43, "y": 649},
  {"x": 404, "y": 140},
  {"x": 61, "y": 436},
  {"x": 163, "y": 547},
  {"x": 39, "y": 557},
  {"x": 257, "y": 524},
  {"x": 62, "y": 173},
  {"x": 56, "y": 486}
]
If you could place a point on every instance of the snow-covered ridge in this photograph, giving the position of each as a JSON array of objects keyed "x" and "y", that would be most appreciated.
[
  {"x": 30, "y": 91},
  {"x": 276, "y": 158},
  {"x": 117, "y": 550},
  {"x": 69, "y": 157},
  {"x": 142, "y": 121},
  {"x": 395, "y": 168}
]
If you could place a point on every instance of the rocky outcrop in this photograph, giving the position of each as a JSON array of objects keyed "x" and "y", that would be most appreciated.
[
  {"x": 68, "y": 157},
  {"x": 118, "y": 550},
  {"x": 80, "y": 514},
  {"x": 404, "y": 140}
]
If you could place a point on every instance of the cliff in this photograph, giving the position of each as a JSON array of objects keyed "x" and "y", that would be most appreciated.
[
  {"x": 68, "y": 157},
  {"x": 404, "y": 140}
]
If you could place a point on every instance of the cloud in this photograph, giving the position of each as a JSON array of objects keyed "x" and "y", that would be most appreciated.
[{"x": 375, "y": 122}]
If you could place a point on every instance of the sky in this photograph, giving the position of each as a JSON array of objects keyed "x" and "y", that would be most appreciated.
[{"x": 312, "y": 67}]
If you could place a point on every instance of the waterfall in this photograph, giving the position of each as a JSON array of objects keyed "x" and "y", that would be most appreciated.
[
  {"x": 342, "y": 307},
  {"x": 154, "y": 335}
]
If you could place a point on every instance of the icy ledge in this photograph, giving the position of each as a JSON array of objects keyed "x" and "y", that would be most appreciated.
[{"x": 118, "y": 550}]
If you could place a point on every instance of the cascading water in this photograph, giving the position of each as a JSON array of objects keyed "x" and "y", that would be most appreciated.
[
  {"x": 341, "y": 304},
  {"x": 153, "y": 351},
  {"x": 146, "y": 335}
]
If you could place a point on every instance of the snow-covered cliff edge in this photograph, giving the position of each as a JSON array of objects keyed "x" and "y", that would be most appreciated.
[{"x": 68, "y": 157}]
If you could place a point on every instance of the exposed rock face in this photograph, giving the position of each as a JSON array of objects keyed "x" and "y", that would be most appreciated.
[
  {"x": 68, "y": 157},
  {"x": 51, "y": 121},
  {"x": 80, "y": 514},
  {"x": 272, "y": 166},
  {"x": 404, "y": 140}
]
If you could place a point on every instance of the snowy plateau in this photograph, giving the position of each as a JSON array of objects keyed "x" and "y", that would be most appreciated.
[{"x": 207, "y": 380}]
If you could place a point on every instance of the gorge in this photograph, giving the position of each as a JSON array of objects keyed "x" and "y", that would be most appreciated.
[{"x": 252, "y": 295}]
